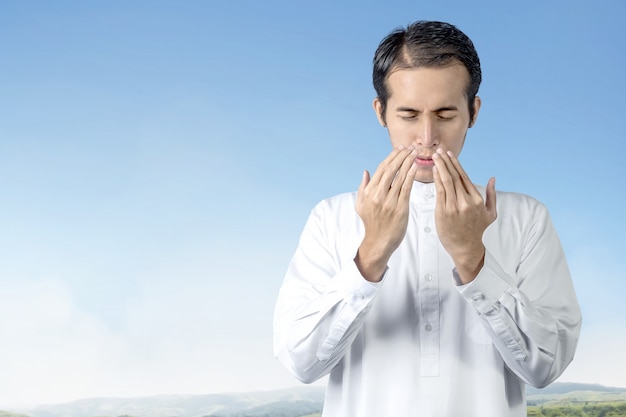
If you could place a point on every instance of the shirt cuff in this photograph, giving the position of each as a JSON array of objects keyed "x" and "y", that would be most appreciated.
[
  {"x": 357, "y": 294},
  {"x": 488, "y": 287},
  {"x": 355, "y": 289}
]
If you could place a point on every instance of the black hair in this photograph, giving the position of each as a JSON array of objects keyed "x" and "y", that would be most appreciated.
[{"x": 426, "y": 44}]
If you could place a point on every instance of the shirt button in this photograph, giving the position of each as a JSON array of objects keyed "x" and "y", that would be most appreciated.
[
  {"x": 429, "y": 277},
  {"x": 428, "y": 327},
  {"x": 427, "y": 229},
  {"x": 477, "y": 297}
]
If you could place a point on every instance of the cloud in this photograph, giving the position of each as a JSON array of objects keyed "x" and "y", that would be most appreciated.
[
  {"x": 176, "y": 338},
  {"x": 50, "y": 350},
  {"x": 598, "y": 279},
  {"x": 600, "y": 357}
]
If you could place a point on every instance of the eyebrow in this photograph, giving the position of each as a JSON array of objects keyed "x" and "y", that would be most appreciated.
[{"x": 409, "y": 109}]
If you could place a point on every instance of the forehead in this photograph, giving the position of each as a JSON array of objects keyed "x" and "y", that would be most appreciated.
[{"x": 428, "y": 86}]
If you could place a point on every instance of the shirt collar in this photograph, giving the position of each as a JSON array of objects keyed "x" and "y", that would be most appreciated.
[{"x": 423, "y": 193}]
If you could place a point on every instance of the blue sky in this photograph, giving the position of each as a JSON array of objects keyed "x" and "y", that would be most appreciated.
[{"x": 159, "y": 159}]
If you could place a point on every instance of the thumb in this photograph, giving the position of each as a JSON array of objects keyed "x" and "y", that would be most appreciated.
[
  {"x": 364, "y": 181},
  {"x": 490, "y": 202}
]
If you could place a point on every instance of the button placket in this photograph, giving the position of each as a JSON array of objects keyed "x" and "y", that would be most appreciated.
[
  {"x": 429, "y": 194},
  {"x": 428, "y": 294}
]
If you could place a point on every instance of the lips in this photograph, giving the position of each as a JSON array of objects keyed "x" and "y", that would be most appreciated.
[{"x": 424, "y": 161}]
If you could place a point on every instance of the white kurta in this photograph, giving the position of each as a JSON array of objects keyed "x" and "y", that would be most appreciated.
[{"x": 417, "y": 343}]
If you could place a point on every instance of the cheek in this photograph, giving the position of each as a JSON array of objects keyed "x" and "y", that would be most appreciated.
[
  {"x": 455, "y": 138},
  {"x": 398, "y": 136}
]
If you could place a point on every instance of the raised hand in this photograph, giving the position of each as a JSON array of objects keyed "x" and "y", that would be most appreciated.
[
  {"x": 383, "y": 205},
  {"x": 461, "y": 215}
]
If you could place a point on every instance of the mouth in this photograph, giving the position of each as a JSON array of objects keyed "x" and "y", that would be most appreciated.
[{"x": 424, "y": 161}]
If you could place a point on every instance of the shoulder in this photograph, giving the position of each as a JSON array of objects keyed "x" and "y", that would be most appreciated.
[
  {"x": 520, "y": 215},
  {"x": 336, "y": 215},
  {"x": 513, "y": 202},
  {"x": 339, "y": 204},
  {"x": 520, "y": 205}
]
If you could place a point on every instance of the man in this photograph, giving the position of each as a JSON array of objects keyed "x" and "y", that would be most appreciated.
[{"x": 423, "y": 294}]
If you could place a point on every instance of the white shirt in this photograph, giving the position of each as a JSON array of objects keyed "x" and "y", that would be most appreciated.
[{"x": 417, "y": 343}]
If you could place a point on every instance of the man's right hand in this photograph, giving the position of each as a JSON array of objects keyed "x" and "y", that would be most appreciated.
[{"x": 383, "y": 205}]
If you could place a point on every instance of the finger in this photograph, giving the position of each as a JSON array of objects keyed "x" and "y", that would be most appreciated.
[
  {"x": 454, "y": 173},
  {"x": 462, "y": 175},
  {"x": 365, "y": 179},
  {"x": 390, "y": 172},
  {"x": 490, "y": 202},
  {"x": 441, "y": 189},
  {"x": 445, "y": 186},
  {"x": 407, "y": 184},
  {"x": 380, "y": 170},
  {"x": 403, "y": 175},
  {"x": 464, "y": 179}
]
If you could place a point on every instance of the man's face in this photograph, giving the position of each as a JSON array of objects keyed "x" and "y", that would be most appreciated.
[{"x": 427, "y": 109}]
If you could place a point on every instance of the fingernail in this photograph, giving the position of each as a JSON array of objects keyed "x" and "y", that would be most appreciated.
[
  {"x": 450, "y": 153},
  {"x": 440, "y": 151}
]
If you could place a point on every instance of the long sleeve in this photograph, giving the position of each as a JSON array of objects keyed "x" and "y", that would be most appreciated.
[
  {"x": 324, "y": 299},
  {"x": 416, "y": 343},
  {"x": 527, "y": 302}
]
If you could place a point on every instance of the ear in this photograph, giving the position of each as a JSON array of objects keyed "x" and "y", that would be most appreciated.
[
  {"x": 378, "y": 109},
  {"x": 477, "y": 103}
]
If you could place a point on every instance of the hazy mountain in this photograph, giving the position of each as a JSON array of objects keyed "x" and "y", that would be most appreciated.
[
  {"x": 565, "y": 387},
  {"x": 573, "y": 393},
  {"x": 295, "y": 402},
  {"x": 290, "y": 402},
  {"x": 9, "y": 414}
]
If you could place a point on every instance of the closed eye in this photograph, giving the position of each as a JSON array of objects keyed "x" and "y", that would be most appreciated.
[
  {"x": 408, "y": 115},
  {"x": 446, "y": 115}
]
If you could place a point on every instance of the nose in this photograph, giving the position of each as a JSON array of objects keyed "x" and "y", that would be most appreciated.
[{"x": 426, "y": 133}]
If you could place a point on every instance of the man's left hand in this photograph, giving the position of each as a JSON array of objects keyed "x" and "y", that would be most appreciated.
[{"x": 461, "y": 215}]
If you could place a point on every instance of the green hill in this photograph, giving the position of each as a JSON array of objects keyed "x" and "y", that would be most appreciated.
[{"x": 609, "y": 409}]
